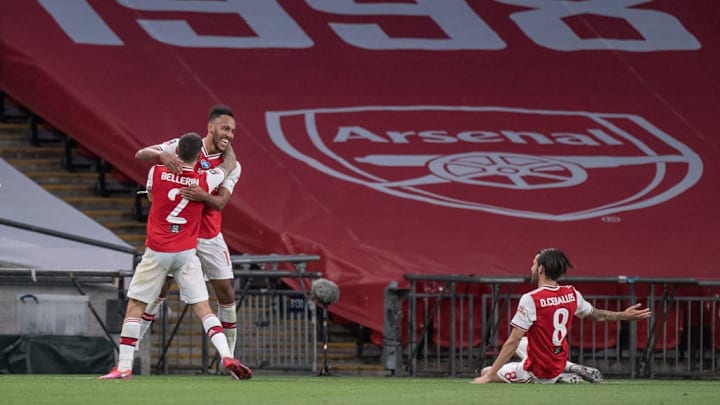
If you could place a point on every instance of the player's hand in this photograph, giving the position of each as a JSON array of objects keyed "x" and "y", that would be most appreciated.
[
  {"x": 634, "y": 312},
  {"x": 481, "y": 380},
  {"x": 171, "y": 161},
  {"x": 194, "y": 193}
]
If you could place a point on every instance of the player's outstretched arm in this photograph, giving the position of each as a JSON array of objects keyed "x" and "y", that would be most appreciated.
[
  {"x": 631, "y": 313},
  {"x": 156, "y": 152}
]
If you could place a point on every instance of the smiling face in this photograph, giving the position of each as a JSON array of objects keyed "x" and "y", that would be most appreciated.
[{"x": 221, "y": 131}]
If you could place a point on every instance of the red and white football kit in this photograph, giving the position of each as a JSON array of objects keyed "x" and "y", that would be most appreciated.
[
  {"x": 546, "y": 313},
  {"x": 173, "y": 227},
  {"x": 211, "y": 247}
]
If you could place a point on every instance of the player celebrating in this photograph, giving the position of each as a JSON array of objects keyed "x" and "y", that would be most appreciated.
[
  {"x": 546, "y": 314},
  {"x": 172, "y": 231},
  {"x": 573, "y": 373},
  {"x": 211, "y": 248}
]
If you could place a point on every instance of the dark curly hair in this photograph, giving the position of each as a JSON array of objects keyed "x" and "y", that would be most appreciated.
[
  {"x": 218, "y": 110},
  {"x": 554, "y": 262}
]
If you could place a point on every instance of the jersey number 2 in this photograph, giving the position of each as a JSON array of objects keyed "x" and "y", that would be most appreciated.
[{"x": 173, "y": 217}]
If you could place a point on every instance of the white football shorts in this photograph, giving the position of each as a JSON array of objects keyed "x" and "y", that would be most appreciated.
[
  {"x": 150, "y": 276},
  {"x": 514, "y": 372},
  {"x": 215, "y": 258}
]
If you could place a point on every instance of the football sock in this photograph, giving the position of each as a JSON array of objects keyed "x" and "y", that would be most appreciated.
[
  {"x": 215, "y": 334},
  {"x": 128, "y": 339},
  {"x": 149, "y": 315},
  {"x": 228, "y": 319},
  {"x": 568, "y": 365}
]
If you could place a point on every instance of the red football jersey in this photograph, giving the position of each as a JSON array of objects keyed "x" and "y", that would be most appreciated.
[
  {"x": 211, "y": 222},
  {"x": 174, "y": 222},
  {"x": 546, "y": 313}
]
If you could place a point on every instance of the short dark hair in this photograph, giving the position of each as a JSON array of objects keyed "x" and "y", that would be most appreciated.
[
  {"x": 218, "y": 110},
  {"x": 554, "y": 262},
  {"x": 189, "y": 147}
]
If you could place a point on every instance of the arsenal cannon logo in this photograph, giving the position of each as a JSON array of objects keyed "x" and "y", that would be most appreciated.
[{"x": 541, "y": 164}]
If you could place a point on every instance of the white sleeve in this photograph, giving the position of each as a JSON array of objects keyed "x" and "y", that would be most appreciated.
[
  {"x": 232, "y": 178},
  {"x": 584, "y": 308},
  {"x": 169, "y": 146},
  {"x": 526, "y": 314},
  {"x": 149, "y": 181},
  {"x": 214, "y": 176}
]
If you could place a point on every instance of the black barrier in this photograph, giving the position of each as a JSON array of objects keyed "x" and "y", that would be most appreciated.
[
  {"x": 76, "y": 278},
  {"x": 258, "y": 276},
  {"x": 447, "y": 342},
  {"x": 55, "y": 355}
]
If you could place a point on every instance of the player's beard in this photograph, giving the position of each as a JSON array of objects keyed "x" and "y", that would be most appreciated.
[
  {"x": 534, "y": 279},
  {"x": 216, "y": 140}
]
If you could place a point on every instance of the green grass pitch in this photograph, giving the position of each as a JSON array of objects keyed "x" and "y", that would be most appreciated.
[{"x": 296, "y": 390}]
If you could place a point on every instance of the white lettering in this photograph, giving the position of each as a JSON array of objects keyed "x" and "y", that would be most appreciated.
[
  {"x": 479, "y": 136},
  {"x": 185, "y": 181},
  {"x": 463, "y": 27},
  {"x": 272, "y": 25},
  {"x": 554, "y": 301},
  {"x": 436, "y": 137},
  {"x": 519, "y": 137},
  {"x": 594, "y": 137},
  {"x": 80, "y": 22},
  {"x": 465, "y": 30},
  {"x": 545, "y": 26},
  {"x": 574, "y": 139},
  {"x": 400, "y": 137},
  {"x": 605, "y": 138},
  {"x": 346, "y": 133}
]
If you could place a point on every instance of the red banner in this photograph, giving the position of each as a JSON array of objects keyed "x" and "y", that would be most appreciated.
[{"x": 413, "y": 136}]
